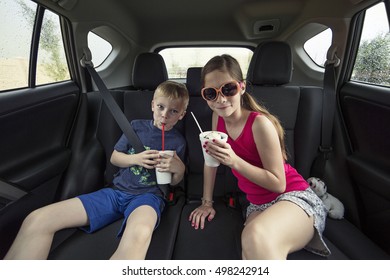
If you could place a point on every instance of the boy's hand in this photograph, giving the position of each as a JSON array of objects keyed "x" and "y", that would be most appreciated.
[
  {"x": 147, "y": 158},
  {"x": 171, "y": 164},
  {"x": 167, "y": 163}
]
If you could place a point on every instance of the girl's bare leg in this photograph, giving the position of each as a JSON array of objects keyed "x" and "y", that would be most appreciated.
[{"x": 277, "y": 231}]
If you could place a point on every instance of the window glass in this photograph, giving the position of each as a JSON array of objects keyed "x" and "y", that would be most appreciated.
[
  {"x": 372, "y": 63},
  {"x": 16, "y": 21},
  {"x": 52, "y": 65},
  {"x": 178, "y": 60},
  {"x": 100, "y": 48},
  {"x": 317, "y": 47}
]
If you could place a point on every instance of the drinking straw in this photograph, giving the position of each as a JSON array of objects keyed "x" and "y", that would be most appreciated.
[
  {"x": 201, "y": 131},
  {"x": 162, "y": 136}
]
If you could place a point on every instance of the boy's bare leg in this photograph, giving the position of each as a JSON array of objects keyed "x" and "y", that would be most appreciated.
[
  {"x": 137, "y": 234},
  {"x": 36, "y": 233}
]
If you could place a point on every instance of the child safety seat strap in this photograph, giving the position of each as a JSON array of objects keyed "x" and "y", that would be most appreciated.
[{"x": 115, "y": 110}]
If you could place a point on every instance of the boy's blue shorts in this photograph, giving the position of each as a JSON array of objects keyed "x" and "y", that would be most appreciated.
[{"x": 107, "y": 205}]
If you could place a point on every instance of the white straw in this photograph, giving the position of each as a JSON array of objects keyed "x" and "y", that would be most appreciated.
[{"x": 201, "y": 131}]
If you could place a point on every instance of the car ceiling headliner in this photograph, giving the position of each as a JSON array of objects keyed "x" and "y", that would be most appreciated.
[{"x": 150, "y": 22}]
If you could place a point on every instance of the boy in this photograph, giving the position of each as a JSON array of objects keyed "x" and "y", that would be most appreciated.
[{"x": 134, "y": 196}]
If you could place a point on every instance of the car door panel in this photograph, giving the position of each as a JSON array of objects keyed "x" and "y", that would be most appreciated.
[
  {"x": 34, "y": 134},
  {"x": 35, "y": 126},
  {"x": 366, "y": 113}
]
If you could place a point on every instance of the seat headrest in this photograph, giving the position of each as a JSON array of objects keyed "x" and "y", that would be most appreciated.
[
  {"x": 149, "y": 71},
  {"x": 271, "y": 64},
  {"x": 193, "y": 80}
]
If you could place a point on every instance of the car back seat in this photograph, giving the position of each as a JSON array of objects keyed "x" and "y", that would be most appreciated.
[
  {"x": 148, "y": 72},
  {"x": 296, "y": 107},
  {"x": 220, "y": 239}
]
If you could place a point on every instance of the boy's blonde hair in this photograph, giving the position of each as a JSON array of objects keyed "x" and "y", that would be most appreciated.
[{"x": 173, "y": 90}]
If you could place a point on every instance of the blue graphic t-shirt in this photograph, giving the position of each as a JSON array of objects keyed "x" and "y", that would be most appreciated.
[{"x": 136, "y": 179}]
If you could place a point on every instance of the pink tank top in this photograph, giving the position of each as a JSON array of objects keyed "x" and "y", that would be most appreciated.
[{"x": 244, "y": 146}]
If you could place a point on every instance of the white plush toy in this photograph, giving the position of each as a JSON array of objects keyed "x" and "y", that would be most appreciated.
[{"x": 333, "y": 205}]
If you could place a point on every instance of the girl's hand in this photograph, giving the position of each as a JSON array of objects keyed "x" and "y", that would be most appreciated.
[
  {"x": 199, "y": 215},
  {"x": 221, "y": 151}
]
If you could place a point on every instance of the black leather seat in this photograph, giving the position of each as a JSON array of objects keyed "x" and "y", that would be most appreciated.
[{"x": 297, "y": 107}]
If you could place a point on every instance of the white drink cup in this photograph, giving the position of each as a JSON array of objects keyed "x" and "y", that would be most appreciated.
[
  {"x": 209, "y": 136},
  {"x": 164, "y": 177}
]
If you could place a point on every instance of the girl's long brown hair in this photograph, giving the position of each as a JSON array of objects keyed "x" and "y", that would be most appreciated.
[{"x": 229, "y": 64}]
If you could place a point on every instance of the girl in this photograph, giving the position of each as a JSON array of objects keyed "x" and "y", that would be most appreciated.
[{"x": 284, "y": 214}]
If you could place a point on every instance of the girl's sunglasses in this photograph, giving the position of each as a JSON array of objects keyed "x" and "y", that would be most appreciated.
[{"x": 227, "y": 90}]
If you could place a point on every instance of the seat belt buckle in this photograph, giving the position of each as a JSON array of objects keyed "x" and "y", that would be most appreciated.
[
  {"x": 171, "y": 197},
  {"x": 232, "y": 202}
]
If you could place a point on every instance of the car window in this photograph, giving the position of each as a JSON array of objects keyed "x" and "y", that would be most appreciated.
[
  {"x": 100, "y": 48},
  {"x": 178, "y": 60},
  {"x": 372, "y": 63},
  {"x": 52, "y": 65},
  {"x": 317, "y": 46},
  {"x": 17, "y": 21},
  {"x": 16, "y": 32}
]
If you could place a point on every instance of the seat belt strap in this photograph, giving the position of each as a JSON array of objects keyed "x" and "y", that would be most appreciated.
[
  {"x": 328, "y": 112},
  {"x": 112, "y": 105}
]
